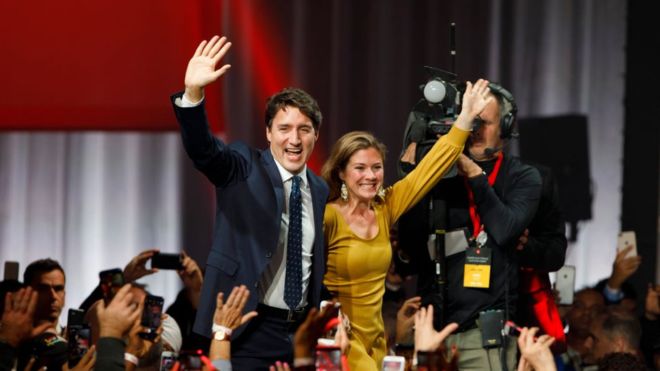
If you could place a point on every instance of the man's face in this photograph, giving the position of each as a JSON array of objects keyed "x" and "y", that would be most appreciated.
[
  {"x": 488, "y": 135},
  {"x": 586, "y": 305},
  {"x": 50, "y": 291},
  {"x": 292, "y": 137},
  {"x": 600, "y": 343}
]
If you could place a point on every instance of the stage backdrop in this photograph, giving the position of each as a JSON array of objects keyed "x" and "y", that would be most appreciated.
[{"x": 105, "y": 177}]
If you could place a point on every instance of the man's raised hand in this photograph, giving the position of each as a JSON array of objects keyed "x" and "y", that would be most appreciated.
[{"x": 201, "y": 69}]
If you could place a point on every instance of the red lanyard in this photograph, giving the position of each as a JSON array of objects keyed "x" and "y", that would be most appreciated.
[{"x": 476, "y": 220}]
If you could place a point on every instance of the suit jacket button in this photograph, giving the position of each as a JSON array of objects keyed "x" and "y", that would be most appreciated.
[
  {"x": 256, "y": 284},
  {"x": 269, "y": 254}
]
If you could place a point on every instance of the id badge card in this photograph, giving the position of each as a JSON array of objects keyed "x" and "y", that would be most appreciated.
[{"x": 477, "y": 267}]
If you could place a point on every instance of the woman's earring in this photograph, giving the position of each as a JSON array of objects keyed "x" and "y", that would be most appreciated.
[
  {"x": 343, "y": 192},
  {"x": 381, "y": 192}
]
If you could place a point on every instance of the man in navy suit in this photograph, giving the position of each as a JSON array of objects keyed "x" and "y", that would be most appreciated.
[{"x": 268, "y": 229}]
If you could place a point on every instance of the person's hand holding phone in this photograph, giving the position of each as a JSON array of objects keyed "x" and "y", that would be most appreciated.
[
  {"x": 307, "y": 335},
  {"x": 623, "y": 267},
  {"x": 405, "y": 318},
  {"x": 192, "y": 278},
  {"x": 86, "y": 363},
  {"x": 138, "y": 345},
  {"x": 137, "y": 267}
]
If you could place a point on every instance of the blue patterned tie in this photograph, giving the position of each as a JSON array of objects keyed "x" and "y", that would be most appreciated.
[{"x": 293, "y": 281}]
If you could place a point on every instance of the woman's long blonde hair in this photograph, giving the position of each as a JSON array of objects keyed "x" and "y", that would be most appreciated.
[{"x": 341, "y": 153}]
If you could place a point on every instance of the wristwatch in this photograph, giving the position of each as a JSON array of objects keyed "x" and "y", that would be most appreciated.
[{"x": 221, "y": 333}]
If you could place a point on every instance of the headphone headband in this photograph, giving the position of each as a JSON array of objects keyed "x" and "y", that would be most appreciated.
[{"x": 507, "y": 120}]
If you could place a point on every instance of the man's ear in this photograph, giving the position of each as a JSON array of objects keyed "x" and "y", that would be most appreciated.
[{"x": 268, "y": 134}]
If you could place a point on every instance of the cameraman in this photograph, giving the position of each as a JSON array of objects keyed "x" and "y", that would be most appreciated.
[{"x": 492, "y": 201}]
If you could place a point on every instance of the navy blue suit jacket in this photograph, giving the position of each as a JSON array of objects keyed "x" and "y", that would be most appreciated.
[{"x": 249, "y": 205}]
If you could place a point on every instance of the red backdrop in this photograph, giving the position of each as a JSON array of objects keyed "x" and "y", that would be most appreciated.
[{"x": 98, "y": 65}]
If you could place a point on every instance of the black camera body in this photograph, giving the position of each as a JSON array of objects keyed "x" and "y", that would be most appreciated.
[{"x": 433, "y": 115}]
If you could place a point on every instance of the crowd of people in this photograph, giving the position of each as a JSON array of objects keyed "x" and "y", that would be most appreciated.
[{"x": 340, "y": 272}]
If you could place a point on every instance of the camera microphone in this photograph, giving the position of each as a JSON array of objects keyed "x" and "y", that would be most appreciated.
[{"x": 490, "y": 152}]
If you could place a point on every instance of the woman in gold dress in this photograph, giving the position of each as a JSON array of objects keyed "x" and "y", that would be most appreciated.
[{"x": 360, "y": 212}]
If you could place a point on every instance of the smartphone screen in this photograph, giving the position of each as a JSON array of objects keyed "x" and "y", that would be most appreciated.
[
  {"x": 111, "y": 281},
  {"x": 167, "y": 360},
  {"x": 625, "y": 240},
  {"x": 167, "y": 261},
  {"x": 565, "y": 284},
  {"x": 393, "y": 363},
  {"x": 151, "y": 315},
  {"x": 328, "y": 358},
  {"x": 75, "y": 317},
  {"x": 79, "y": 341}
]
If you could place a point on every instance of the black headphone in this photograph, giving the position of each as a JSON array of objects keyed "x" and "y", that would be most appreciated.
[{"x": 508, "y": 120}]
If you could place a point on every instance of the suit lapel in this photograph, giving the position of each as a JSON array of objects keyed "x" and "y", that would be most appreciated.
[
  {"x": 318, "y": 202},
  {"x": 275, "y": 179}
]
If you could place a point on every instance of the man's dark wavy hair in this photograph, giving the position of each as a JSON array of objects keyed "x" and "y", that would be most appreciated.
[
  {"x": 294, "y": 97},
  {"x": 39, "y": 267}
]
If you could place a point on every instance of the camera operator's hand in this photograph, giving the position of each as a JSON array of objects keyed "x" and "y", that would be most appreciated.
[
  {"x": 467, "y": 167},
  {"x": 192, "y": 278},
  {"x": 522, "y": 241},
  {"x": 18, "y": 316},
  {"x": 623, "y": 268},
  {"x": 427, "y": 339},
  {"x": 201, "y": 67},
  {"x": 137, "y": 267},
  {"x": 475, "y": 99},
  {"x": 119, "y": 316},
  {"x": 405, "y": 318}
]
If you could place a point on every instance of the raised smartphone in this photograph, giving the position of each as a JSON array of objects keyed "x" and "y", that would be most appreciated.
[
  {"x": 626, "y": 239},
  {"x": 167, "y": 261},
  {"x": 151, "y": 316},
  {"x": 565, "y": 284}
]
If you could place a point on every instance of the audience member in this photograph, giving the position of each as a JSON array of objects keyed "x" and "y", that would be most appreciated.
[
  {"x": 276, "y": 244},
  {"x": 115, "y": 321},
  {"x": 622, "y": 268},
  {"x": 184, "y": 308},
  {"x": 587, "y": 303},
  {"x": 613, "y": 331},
  {"x": 46, "y": 277},
  {"x": 18, "y": 324},
  {"x": 650, "y": 322},
  {"x": 620, "y": 361}
]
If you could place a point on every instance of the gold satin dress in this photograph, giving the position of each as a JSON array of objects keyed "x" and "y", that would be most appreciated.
[{"x": 356, "y": 267}]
